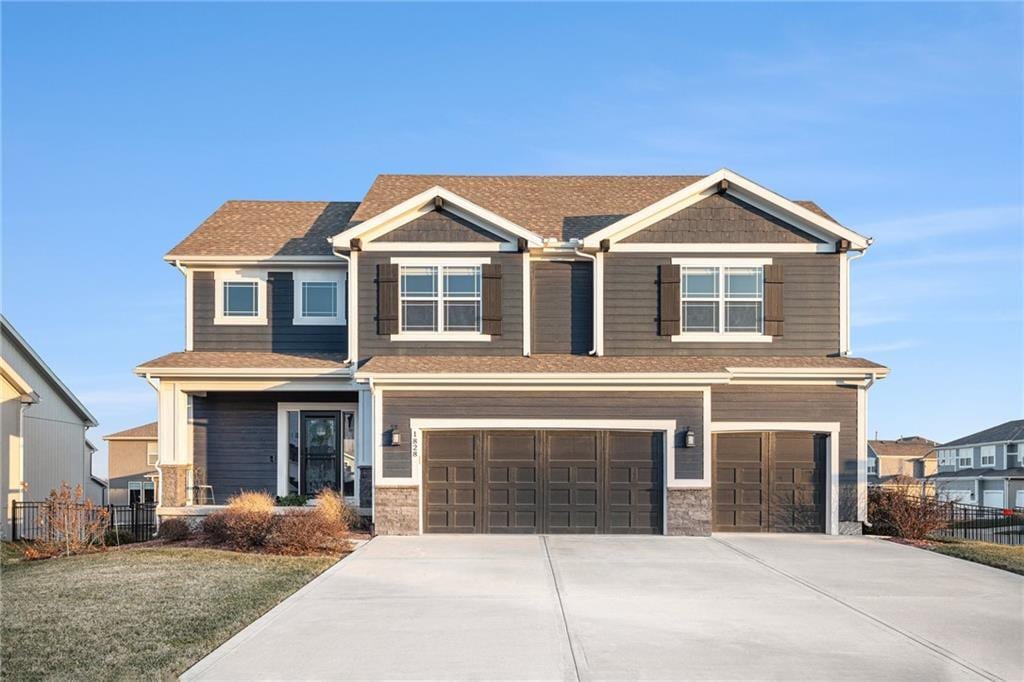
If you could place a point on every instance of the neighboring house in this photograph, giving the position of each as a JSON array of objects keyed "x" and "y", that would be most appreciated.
[
  {"x": 900, "y": 461},
  {"x": 131, "y": 464},
  {"x": 44, "y": 429},
  {"x": 985, "y": 468},
  {"x": 632, "y": 354},
  {"x": 96, "y": 486}
]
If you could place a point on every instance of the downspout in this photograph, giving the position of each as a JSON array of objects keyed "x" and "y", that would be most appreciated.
[
  {"x": 867, "y": 384},
  {"x": 349, "y": 311},
  {"x": 26, "y": 402},
  {"x": 593, "y": 299},
  {"x": 849, "y": 323}
]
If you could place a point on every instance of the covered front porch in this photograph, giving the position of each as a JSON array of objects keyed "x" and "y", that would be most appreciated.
[{"x": 290, "y": 435}]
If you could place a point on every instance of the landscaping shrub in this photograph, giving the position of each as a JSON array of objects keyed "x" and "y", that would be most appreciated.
[
  {"x": 251, "y": 501},
  {"x": 214, "y": 527},
  {"x": 117, "y": 536},
  {"x": 72, "y": 524},
  {"x": 174, "y": 530},
  {"x": 293, "y": 500},
  {"x": 340, "y": 516},
  {"x": 896, "y": 511}
]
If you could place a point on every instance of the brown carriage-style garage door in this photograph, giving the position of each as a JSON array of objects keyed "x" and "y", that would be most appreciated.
[
  {"x": 769, "y": 482},
  {"x": 554, "y": 481}
]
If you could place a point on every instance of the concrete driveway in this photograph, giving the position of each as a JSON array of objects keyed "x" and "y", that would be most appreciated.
[{"x": 575, "y": 607}]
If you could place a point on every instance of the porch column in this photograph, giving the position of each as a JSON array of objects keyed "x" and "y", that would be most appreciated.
[{"x": 174, "y": 458}]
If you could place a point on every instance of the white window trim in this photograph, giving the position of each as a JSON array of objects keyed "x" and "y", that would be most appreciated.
[
  {"x": 439, "y": 263},
  {"x": 873, "y": 465},
  {"x": 152, "y": 453},
  {"x": 731, "y": 337},
  {"x": 969, "y": 456},
  {"x": 336, "y": 275},
  {"x": 988, "y": 451},
  {"x": 257, "y": 276}
]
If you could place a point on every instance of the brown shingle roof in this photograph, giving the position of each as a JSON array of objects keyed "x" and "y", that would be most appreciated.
[
  {"x": 904, "y": 448},
  {"x": 145, "y": 431},
  {"x": 245, "y": 360},
  {"x": 268, "y": 228},
  {"x": 584, "y": 364}
]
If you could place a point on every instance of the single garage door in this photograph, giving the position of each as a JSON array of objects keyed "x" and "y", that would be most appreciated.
[
  {"x": 769, "y": 482},
  {"x": 553, "y": 481}
]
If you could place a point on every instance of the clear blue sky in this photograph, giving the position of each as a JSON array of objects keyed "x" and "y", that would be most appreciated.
[{"x": 125, "y": 125}]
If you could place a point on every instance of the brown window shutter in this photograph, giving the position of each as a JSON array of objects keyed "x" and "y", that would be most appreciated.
[
  {"x": 387, "y": 298},
  {"x": 491, "y": 274},
  {"x": 773, "y": 317},
  {"x": 669, "y": 300}
]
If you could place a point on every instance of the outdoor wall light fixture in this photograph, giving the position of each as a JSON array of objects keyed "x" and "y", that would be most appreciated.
[
  {"x": 396, "y": 436},
  {"x": 689, "y": 440}
]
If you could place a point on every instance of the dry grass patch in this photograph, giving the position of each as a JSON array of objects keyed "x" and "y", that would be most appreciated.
[
  {"x": 136, "y": 613},
  {"x": 1006, "y": 557}
]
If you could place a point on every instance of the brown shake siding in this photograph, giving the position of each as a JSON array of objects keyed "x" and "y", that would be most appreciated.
[
  {"x": 510, "y": 342},
  {"x": 279, "y": 335},
  {"x": 810, "y": 307},
  {"x": 438, "y": 226},
  {"x": 685, "y": 407},
  {"x": 126, "y": 461},
  {"x": 767, "y": 403}
]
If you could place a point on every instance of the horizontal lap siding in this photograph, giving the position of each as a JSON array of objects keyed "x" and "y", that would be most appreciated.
[
  {"x": 510, "y": 342},
  {"x": 810, "y": 302},
  {"x": 800, "y": 404},
  {"x": 562, "y": 307},
  {"x": 234, "y": 437},
  {"x": 684, "y": 407},
  {"x": 279, "y": 335}
]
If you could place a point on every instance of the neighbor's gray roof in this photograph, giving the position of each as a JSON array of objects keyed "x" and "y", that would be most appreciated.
[
  {"x": 146, "y": 431},
  {"x": 988, "y": 472},
  {"x": 72, "y": 400},
  {"x": 1008, "y": 431},
  {"x": 559, "y": 206}
]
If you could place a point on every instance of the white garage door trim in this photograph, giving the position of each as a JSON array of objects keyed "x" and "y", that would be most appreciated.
[
  {"x": 666, "y": 426},
  {"x": 831, "y": 462}
]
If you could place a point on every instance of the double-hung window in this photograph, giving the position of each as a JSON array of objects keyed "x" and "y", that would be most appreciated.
[
  {"x": 140, "y": 492},
  {"x": 721, "y": 301},
  {"x": 319, "y": 297},
  {"x": 440, "y": 300},
  {"x": 988, "y": 455},
  {"x": 872, "y": 465},
  {"x": 152, "y": 453},
  {"x": 965, "y": 458}
]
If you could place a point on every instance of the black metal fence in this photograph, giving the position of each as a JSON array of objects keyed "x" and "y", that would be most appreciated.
[
  {"x": 136, "y": 520},
  {"x": 988, "y": 524}
]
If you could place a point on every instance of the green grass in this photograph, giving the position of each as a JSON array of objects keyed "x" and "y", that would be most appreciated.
[
  {"x": 1007, "y": 557},
  {"x": 135, "y": 613}
]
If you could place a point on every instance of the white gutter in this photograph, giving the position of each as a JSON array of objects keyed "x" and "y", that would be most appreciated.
[
  {"x": 593, "y": 300},
  {"x": 160, "y": 487},
  {"x": 350, "y": 311}
]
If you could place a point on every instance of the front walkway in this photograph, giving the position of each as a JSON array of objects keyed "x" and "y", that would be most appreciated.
[{"x": 575, "y": 607}]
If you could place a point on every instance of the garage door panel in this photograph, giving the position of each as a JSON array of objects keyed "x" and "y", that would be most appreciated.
[{"x": 544, "y": 481}]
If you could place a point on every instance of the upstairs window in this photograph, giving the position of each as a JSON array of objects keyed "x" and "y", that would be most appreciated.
[
  {"x": 152, "y": 453},
  {"x": 440, "y": 299},
  {"x": 988, "y": 455},
  {"x": 241, "y": 297},
  {"x": 872, "y": 466},
  {"x": 965, "y": 458},
  {"x": 319, "y": 297},
  {"x": 724, "y": 300},
  {"x": 947, "y": 458}
]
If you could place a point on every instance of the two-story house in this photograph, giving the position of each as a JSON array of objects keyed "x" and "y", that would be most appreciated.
[
  {"x": 524, "y": 354},
  {"x": 907, "y": 459},
  {"x": 131, "y": 465},
  {"x": 985, "y": 468}
]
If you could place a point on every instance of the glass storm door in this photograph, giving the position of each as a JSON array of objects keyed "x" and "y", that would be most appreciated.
[{"x": 321, "y": 451}]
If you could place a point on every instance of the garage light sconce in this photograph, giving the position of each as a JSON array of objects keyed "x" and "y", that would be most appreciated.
[
  {"x": 394, "y": 436},
  {"x": 689, "y": 440}
]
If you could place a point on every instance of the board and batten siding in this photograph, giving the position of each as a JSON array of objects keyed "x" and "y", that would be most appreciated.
[
  {"x": 509, "y": 342},
  {"x": 776, "y": 403},
  {"x": 563, "y": 307},
  {"x": 279, "y": 335},
  {"x": 234, "y": 437},
  {"x": 810, "y": 307},
  {"x": 685, "y": 407}
]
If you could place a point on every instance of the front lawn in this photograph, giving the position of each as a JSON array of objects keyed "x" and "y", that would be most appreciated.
[
  {"x": 1007, "y": 557},
  {"x": 135, "y": 613}
]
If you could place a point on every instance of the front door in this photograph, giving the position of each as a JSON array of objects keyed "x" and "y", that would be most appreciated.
[{"x": 320, "y": 452}]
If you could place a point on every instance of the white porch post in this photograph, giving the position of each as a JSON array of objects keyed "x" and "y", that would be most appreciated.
[{"x": 174, "y": 453}]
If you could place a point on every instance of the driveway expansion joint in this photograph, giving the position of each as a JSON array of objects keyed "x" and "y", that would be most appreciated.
[
  {"x": 917, "y": 639},
  {"x": 561, "y": 607}
]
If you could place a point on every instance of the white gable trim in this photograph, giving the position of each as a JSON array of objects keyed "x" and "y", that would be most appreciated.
[
  {"x": 740, "y": 187},
  {"x": 423, "y": 203}
]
